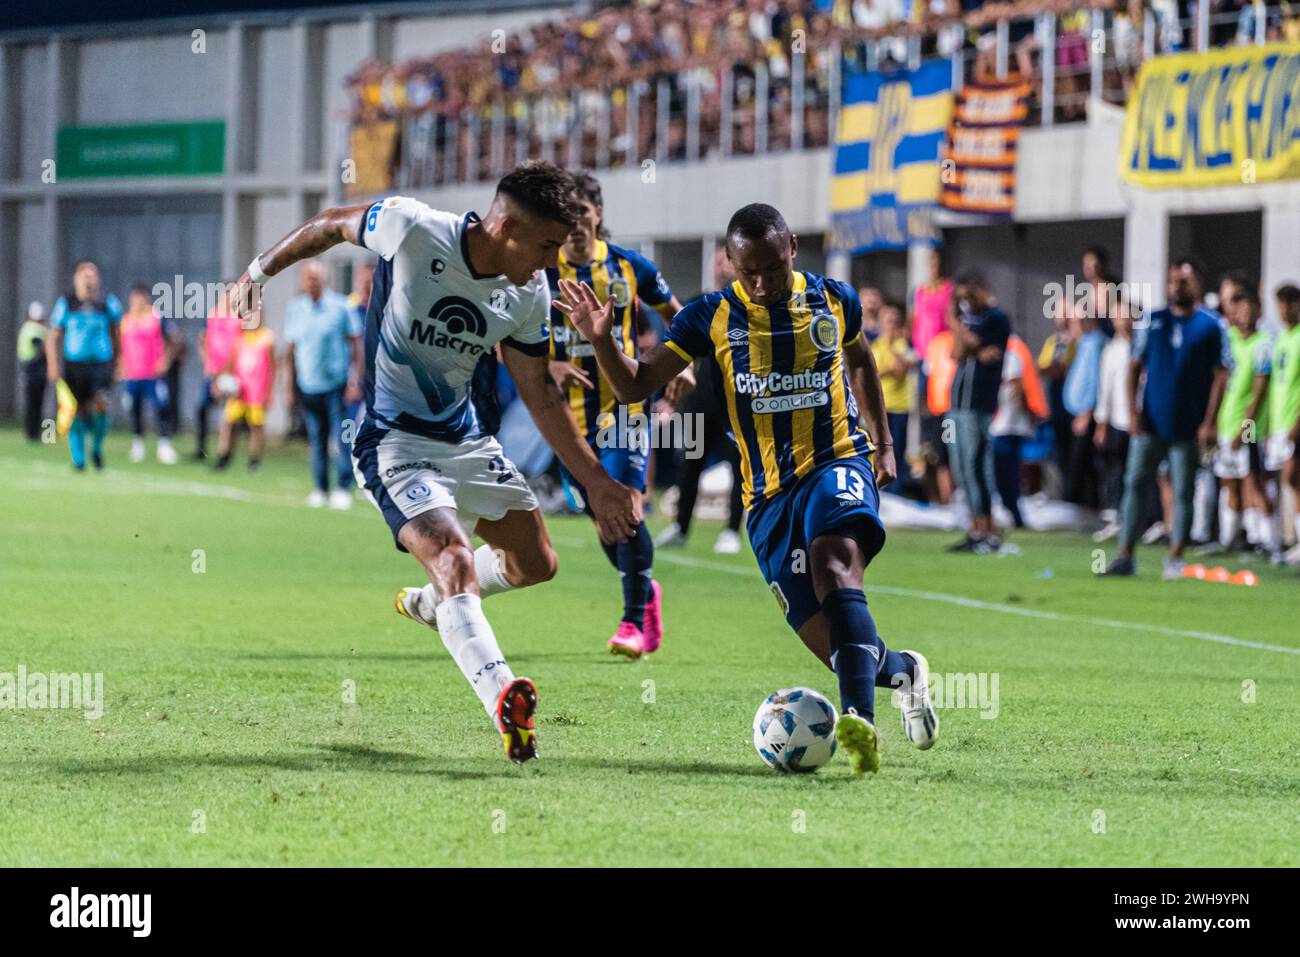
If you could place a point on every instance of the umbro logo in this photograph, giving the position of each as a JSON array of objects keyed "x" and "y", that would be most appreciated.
[{"x": 737, "y": 335}]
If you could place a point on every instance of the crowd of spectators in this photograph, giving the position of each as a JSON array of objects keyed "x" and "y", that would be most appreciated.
[
  {"x": 1174, "y": 424},
  {"x": 588, "y": 84}
]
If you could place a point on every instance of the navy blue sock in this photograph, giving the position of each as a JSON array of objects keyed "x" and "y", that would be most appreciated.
[
  {"x": 635, "y": 563},
  {"x": 894, "y": 663},
  {"x": 856, "y": 649}
]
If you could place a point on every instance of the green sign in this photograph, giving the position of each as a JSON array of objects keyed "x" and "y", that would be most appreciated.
[{"x": 156, "y": 149}]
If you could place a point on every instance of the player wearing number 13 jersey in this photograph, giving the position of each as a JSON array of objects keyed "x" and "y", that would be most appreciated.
[
  {"x": 447, "y": 289},
  {"x": 797, "y": 376}
]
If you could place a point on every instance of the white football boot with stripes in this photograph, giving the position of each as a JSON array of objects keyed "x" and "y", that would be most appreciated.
[{"x": 920, "y": 723}]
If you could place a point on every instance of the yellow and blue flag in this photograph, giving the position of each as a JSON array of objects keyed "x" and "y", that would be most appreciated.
[{"x": 887, "y": 156}]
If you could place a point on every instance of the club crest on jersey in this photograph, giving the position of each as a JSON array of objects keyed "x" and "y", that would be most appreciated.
[
  {"x": 498, "y": 299},
  {"x": 825, "y": 332},
  {"x": 436, "y": 267},
  {"x": 620, "y": 292}
]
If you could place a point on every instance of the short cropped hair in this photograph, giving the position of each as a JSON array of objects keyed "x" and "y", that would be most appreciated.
[
  {"x": 756, "y": 221},
  {"x": 544, "y": 190}
]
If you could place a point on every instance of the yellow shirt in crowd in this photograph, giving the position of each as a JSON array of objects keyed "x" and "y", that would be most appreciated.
[{"x": 898, "y": 396}]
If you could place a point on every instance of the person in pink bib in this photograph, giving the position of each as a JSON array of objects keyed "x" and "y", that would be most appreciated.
[
  {"x": 252, "y": 363},
  {"x": 215, "y": 346},
  {"x": 149, "y": 343}
]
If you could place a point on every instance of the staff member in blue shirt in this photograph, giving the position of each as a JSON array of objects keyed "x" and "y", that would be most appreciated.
[
  {"x": 324, "y": 357},
  {"x": 1083, "y": 481},
  {"x": 1185, "y": 354},
  {"x": 82, "y": 349}
]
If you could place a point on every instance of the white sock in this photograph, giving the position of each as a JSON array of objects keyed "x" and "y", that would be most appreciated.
[
  {"x": 1270, "y": 533},
  {"x": 1253, "y": 519},
  {"x": 1229, "y": 522},
  {"x": 487, "y": 569},
  {"x": 1296, "y": 520},
  {"x": 473, "y": 647}
]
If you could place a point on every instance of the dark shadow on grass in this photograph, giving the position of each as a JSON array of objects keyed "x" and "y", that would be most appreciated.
[
  {"x": 667, "y": 766},
  {"x": 322, "y": 758}
]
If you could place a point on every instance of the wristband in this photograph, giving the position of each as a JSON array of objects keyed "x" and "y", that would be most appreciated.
[{"x": 256, "y": 274}]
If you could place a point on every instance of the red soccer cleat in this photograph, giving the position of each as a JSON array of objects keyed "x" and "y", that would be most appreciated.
[{"x": 515, "y": 710}]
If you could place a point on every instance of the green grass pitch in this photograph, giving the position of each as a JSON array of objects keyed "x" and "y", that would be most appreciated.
[{"x": 226, "y": 738}]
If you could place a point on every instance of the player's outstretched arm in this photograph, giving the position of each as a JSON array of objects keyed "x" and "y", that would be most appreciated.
[
  {"x": 865, "y": 381},
  {"x": 325, "y": 230},
  {"x": 632, "y": 380},
  {"x": 616, "y": 507}
]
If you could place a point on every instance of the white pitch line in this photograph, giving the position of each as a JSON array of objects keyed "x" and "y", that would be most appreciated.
[{"x": 1008, "y": 609}]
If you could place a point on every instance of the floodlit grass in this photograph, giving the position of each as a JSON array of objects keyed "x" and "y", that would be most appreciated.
[{"x": 231, "y": 625}]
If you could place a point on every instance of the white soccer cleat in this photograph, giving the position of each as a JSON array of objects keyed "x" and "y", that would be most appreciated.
[
  {"x": 728, "y": 543},
  {"x": 137, "y": 450},
  {"x": 409, "y": 605},
  {"x": 166, "y": 452},
  {"x": 340, "y": 500},
  {"x": 316, "y": 499},
  {"x": 671, "y": 537},
  {"x": 920, "y": 723}
]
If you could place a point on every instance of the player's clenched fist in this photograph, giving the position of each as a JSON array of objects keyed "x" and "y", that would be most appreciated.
[{"x": 583, "y": 307}]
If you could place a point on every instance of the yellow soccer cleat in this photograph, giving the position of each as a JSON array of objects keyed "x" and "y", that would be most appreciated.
[
  {"x": 857, "y": 737},
  {"x": 67, "y": 407}
]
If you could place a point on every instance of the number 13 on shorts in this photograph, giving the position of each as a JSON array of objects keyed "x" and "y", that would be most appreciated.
[{"x": 850, "y": 482}]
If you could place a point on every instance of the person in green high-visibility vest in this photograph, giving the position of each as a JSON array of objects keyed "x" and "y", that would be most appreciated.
[{"x": 31, "y": 359}]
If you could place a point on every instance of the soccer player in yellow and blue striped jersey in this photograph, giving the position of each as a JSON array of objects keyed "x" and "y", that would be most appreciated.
[
  {"x": 800, "y": 383},
  {"x": 616, "y": 433}
]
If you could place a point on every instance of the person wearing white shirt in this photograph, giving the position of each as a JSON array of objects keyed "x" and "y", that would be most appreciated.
[{"x": 1110, "y": 434}]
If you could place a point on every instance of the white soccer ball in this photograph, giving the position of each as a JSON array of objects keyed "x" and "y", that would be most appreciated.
[
  {"x": 794, "y": 730},
  {"x": 228, "y": 385}
]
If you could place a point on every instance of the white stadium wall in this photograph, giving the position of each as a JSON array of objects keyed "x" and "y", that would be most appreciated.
[{"x": 278, "y": 85}]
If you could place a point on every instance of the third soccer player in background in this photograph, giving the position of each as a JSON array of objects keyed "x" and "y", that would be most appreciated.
[{"x": 624, "y": 279}]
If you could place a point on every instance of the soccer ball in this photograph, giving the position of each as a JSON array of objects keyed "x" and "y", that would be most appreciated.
[
  {"x": 794, "y": 730},
  {"x": 228, "y": 386}
]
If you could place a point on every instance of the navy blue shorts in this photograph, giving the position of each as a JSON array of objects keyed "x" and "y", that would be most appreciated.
[
  {"x": 839, "y": 496},
  {"x": 626, "y": 462}
]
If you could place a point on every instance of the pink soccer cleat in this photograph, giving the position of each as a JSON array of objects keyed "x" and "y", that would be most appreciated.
[
  {"x": 653, "y": 633},
  {"x": 627, "y": 640}
]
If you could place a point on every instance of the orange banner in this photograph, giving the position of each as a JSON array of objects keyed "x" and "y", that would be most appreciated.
[{"x": 979, "y": 166}]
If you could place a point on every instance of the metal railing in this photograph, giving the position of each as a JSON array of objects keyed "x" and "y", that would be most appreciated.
[{"x": 749, "y": 108}]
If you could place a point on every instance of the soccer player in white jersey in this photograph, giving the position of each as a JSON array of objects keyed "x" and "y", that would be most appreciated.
[{"x": 447, "y": 289}]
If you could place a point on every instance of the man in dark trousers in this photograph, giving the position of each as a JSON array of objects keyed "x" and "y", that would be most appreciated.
[{"x": 31, "y": 359}]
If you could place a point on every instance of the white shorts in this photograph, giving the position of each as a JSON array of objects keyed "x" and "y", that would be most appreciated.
[
  {"x": 405, "y": 475},
  {"x": 1278, "y": 450},
  {"x": 1230, "y": 463}
]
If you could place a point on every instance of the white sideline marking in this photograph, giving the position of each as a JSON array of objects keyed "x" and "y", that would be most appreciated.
[{"x": 660, "y": 555}]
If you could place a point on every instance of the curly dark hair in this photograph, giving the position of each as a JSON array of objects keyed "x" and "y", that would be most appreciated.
[{"x": 544, "y": 190}]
